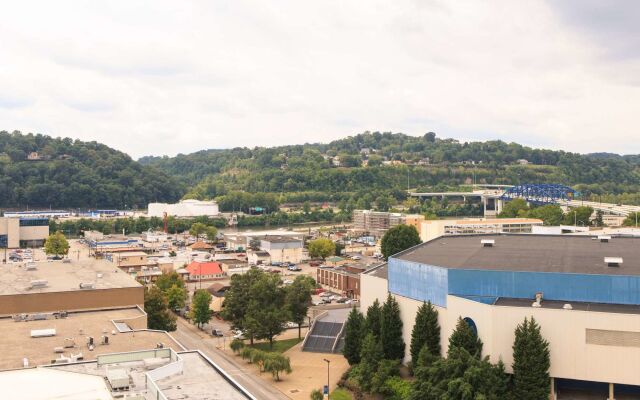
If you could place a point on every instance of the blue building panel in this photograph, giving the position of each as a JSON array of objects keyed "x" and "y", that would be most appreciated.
[
  {"x": 418, "y": 281},
  {"x": 612, "y": 289}
]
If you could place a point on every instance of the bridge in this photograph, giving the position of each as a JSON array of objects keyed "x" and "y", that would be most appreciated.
[{"x": 493, "y": 197}]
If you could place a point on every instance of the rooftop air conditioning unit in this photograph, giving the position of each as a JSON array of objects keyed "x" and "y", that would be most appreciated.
[
  {"x": 31, "y": 266},
  {"x": 613, "y": 261},
  {"x": 38, "y": 283},
  {"x": 488, "y": 242},
  {"x": 567, "y": 306},
  {"x": 604, "y": 238},
  {"x": 87, "y": 285}
]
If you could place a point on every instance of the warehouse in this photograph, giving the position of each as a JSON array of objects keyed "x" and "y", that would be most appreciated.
[
  {"x": 583, "y": 291},
  {"x": 184, "y": 209}
]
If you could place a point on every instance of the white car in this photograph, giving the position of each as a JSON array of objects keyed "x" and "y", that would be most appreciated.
[
  {"x": 291, "y": 325},
  {"x": 356, "y": 258},
  {"x": 239, "y": 335}
]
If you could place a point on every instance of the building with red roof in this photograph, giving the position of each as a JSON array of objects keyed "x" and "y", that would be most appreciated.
[{"x": 204, "y": 270}]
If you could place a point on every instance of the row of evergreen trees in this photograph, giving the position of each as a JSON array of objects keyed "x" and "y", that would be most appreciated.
[{"x": 374, "y": 347}]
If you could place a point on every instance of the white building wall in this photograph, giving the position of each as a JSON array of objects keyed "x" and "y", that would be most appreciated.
[
  {"x": 565, "y": 330},
  {"x": 185, "y": 208}
]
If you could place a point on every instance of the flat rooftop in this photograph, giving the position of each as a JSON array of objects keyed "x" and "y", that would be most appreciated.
[
  {"x": 199, "y": 379},
  {"x": 527, "y": 252},
  {"x": 575, "y": 305},
  {"x": 380, "y": 271},
  {"x": 17, "y": 342},
  {"x": 63, "y": 277}
]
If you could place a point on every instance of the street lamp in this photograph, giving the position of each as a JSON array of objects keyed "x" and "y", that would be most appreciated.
[{"x": 328, "y": 363}]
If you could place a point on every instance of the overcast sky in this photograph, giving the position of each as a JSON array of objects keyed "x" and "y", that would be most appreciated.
[{"x": 158, "y": 77}]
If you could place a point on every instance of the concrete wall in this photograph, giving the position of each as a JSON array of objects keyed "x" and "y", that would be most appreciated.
[
  {"x": 11, "y": 228},
  {"x": 72, "y": 300},
  {"x": 372, "y": 288},
  {"x": 286, "y": 255},
  {"x": 565, "y": 330},
  {"x": 34, "y": 232}
]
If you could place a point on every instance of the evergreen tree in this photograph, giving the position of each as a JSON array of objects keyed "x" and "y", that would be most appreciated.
[
  {"x": 391, "y": 330},
  {"x": 531, "y": 362},
  {"x": 374, "y": 315},
  {"x": 354, "y": 329},
  {"x": 370, "y": 357},
  {"x": 464, "y": 337},
  {"x": 426, "y": 332}
]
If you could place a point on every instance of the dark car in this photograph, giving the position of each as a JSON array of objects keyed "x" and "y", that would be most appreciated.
[{"x": 217, "y": 332}]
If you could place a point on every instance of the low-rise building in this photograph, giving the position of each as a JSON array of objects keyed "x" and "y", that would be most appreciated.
[
  {"x": 201, "y": 271},
  {"x": 71, "y": 285},
  {"x": 18, "y": 232},
  {"x": 130, "y": 260},
  {"x": 344, "y": 279},
  {"x": 259, "y": 258},
  {"x": 282, "y": 249},
  {"x": 245, "y": 240},
  {"x": 185, "y": 208},
  {"x": 154, "y": 236}
]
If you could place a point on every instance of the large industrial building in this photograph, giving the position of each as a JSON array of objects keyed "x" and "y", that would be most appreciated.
[
  {"x": 18, "y": 232},
  {"x": 583, "y": 291},
  {"x": 185, "y": 208},
  {"x": 432, "y": 229}
]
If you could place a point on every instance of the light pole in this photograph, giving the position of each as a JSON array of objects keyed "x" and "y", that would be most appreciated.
[{"x": 328, "y": 363}]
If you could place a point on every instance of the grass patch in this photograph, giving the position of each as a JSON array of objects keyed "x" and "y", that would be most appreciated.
[
  {"x": 279, "y": 346},
  {"x": 340, "y": 394}
]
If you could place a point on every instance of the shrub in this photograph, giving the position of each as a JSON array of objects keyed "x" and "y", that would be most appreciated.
[{"x": 236, "y": 345}]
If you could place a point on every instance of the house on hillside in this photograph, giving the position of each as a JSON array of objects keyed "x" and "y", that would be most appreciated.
[{"x": 34, "y": 156}]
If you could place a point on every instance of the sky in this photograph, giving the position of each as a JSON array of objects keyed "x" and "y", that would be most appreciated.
[{"x": 167, "y": 77}]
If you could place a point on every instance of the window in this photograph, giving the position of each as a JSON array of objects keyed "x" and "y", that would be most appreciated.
[
  {"x": 4, "y": 241},
  {"x": 471, "y": 324},
  {"x": 34, "y": 222}
]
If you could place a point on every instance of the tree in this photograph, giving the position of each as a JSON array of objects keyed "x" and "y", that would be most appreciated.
[
  {"x": 391, "y": 330},
  {"x": 197, "y": 229},
  {"x": 354, "y": 333},
  {"x": 212, "y": 233},
  {"x": 514, "y": 208},
  {"x": 236, "y": 298},
  {"x": 321, "y": 248},
  {"x": 266, "y": 313},
  {"x": 277, "y": 363},
  {"x": 632, "y": 219},
  {"x": 56, "y": 244},
  {"x": 167, "y": 280},
  {"x": 550, "y": 214},
  {"x": 236, "y": 345},
  {"x": 465, "y": 337},
  {"x": 460, "y": 376},
  {"x": 578, "y": 216},
  {"x": 399, "y": 238},
  {"x": 176, "y": 297},
  {"x": 425, "y": 332},
  {"x": 158, "y": 314},
  {"x": 374, "y": 317},
  {"x": 370, "y": 356},
  {"x": 200, "y": 312},
  {"x": 298, "y": 299},
  {"x": 531, "y": 362},
  {"x": 316, "y": 394},
  {"x": 599, "y": 220}
]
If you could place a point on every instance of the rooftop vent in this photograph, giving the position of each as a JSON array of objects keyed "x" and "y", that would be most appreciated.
[
  {"x": 488, "y": 242},
  {"x": 38, "y": 283},
  {"x": 613, "y": 261},
  {"x": 87, "y": 285},
  {"x": 538, "y": 302},
  {"x": 31, "y": 266},
  {"x": 567, "y": 306},
  {"x": 604, "y": 238}
]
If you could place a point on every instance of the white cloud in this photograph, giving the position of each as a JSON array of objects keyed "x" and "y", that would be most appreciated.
[{"x": 163, "y": 77}]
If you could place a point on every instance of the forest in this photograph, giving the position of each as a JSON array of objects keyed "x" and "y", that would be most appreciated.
[{"x": 368, "y": 169}]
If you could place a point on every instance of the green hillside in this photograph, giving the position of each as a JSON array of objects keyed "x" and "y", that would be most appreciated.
[
  {"x": 70, "y": 173},
  {"x": 305, "y": 172}
]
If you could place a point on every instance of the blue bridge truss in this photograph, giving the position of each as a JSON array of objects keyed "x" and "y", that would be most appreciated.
[{"x": 540, "y": 193}]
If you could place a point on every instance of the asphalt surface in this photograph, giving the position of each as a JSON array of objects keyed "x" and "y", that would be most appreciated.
[{"x": 191, "y": 338}]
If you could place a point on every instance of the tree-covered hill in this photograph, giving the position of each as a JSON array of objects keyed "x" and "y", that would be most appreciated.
[
  {"x": 41, "y": 171},
  {"x": 384, "y": 164}
]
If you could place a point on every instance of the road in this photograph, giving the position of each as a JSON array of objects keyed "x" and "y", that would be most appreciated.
[{"x": 190, "y": 337}]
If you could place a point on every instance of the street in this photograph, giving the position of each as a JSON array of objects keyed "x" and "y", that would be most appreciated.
[{"x": 194, "y": 339}]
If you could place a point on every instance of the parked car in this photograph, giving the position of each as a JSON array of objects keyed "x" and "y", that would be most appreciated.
[
  {"x": 356, "y": 258},
  {"x": 294, "y": 268},
  {"x": 239, "y": 335},
  {"x": 314, "y": 263},
  {"x": 290, "y": 325},
  {"x": 342, "y": 300},
  {"x": 352, "y": 301},
  {"x": 217, "y": 332}
]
